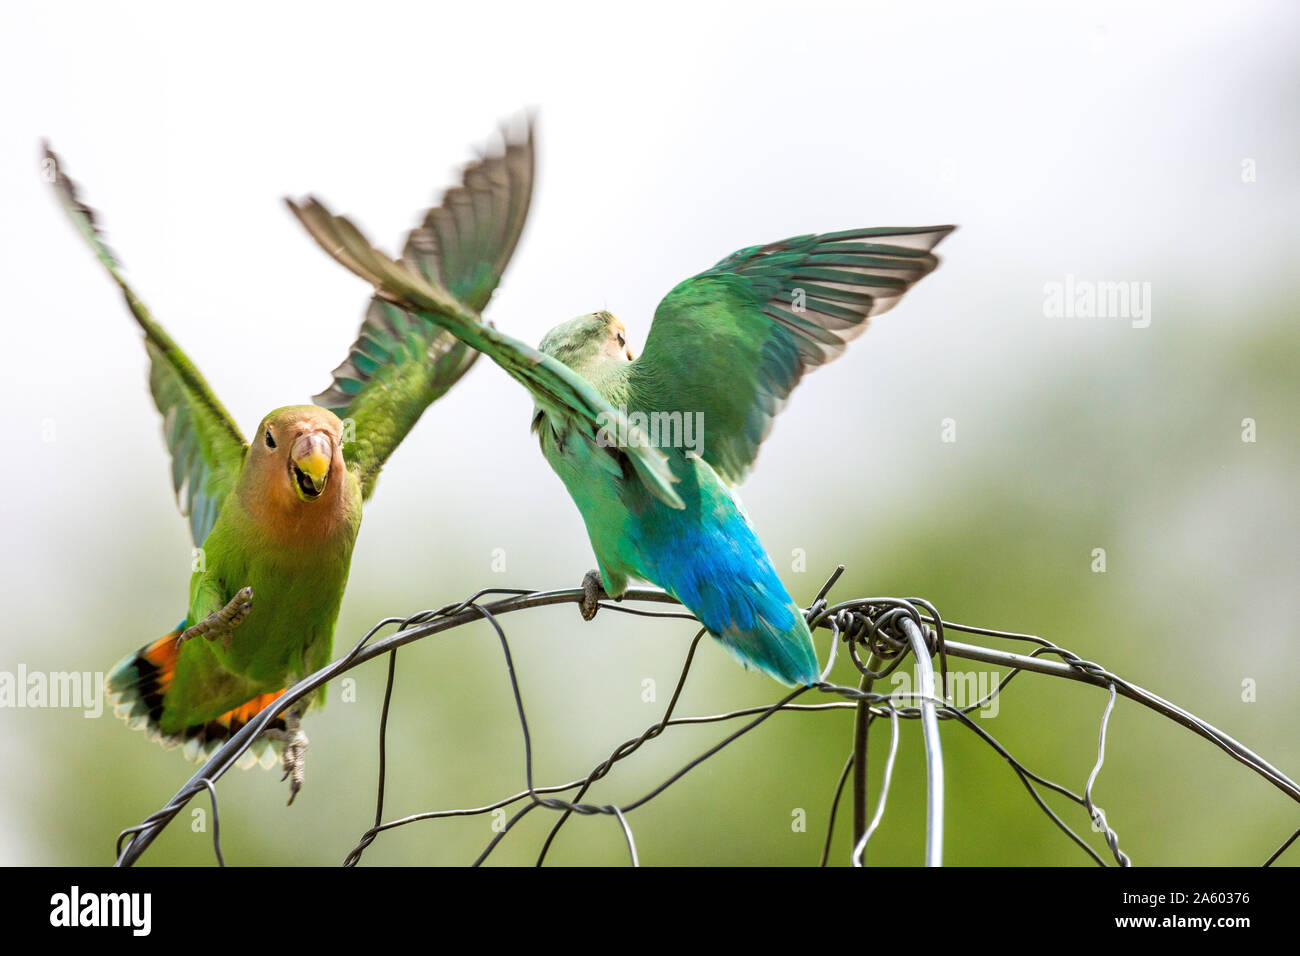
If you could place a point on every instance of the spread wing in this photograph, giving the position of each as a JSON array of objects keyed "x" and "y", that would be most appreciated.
[
  {"x": 734, "y": 341},
  {"x": 401, "y": 361},
  {"x": 552, "y": 384},
  {"x": 206, "y": 446}
]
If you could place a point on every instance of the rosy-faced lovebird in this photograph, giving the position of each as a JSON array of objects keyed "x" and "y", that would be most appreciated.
[
  {"x": 726, "y": 348},
  {"x": 274, "y": 518}
]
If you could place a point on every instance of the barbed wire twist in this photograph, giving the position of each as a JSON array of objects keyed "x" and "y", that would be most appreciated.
[{"x": 885, "y": 630}]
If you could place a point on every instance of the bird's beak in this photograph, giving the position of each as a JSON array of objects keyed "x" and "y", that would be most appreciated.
[{"x": 309, "y": 464}]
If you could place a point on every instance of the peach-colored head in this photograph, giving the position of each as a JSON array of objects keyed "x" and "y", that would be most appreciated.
[{"x": 295, "y": 481}]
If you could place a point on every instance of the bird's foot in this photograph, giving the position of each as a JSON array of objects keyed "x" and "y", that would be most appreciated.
[
  {"x": 294, "y": 755},
  {"x": 593, "y": 592},
  {"x": 222, "y": 623}
]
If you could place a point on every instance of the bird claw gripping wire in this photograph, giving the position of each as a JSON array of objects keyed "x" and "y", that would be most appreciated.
[
  {"x": 593, "y": 592},
  {"x": 222, "y": 623},
  {"x": 294, "y": 755}
]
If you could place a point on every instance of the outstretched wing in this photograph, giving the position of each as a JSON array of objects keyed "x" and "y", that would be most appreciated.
[
  {"x": 206, "y": 446},
  {"x": 554, "y": 387},
  {"x": 732, "y": 343},
  {"x": 401, "y": 362}
]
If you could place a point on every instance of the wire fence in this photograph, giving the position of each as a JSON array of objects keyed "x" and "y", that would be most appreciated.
[{"x": 878, "y": 634}]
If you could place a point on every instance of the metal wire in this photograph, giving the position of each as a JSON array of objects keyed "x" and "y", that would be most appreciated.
[
  {"x": 933, "y": 755},
  {"x": 860, "y": 847},
  {"x": 884, "y": 630}
]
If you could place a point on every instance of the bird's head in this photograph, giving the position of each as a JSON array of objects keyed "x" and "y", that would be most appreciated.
[
  {"x": 296, "y": 458},
  {"x": 587, "y": 340}
]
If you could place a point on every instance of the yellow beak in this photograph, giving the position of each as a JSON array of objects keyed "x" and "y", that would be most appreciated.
[{"x": 311, "y": 455}]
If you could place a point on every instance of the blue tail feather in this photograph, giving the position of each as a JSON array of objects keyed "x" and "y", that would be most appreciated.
[
  {"x": 786, "y": 654},
  {"x": 721, "y": 572}
]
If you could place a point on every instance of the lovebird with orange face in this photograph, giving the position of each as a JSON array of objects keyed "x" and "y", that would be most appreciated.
[{"x": 275, "y": 518}]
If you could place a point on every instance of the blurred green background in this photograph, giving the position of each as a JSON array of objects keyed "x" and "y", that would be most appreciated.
[{"x": 1108, "y": 142}]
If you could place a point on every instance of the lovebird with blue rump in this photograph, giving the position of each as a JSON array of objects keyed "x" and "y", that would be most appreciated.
[{"x": 726, "y": 348}]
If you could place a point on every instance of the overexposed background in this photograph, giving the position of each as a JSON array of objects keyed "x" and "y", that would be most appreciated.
[{"x": 1107, "y": 141}]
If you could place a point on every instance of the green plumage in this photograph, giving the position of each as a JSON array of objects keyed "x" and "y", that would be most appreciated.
[
  {"x": 551, "y": 384},
  {"x": 297, "y": 592},
  {"x": 279, "y": 516},
  {"x": 734, "y": 341},
  {"x": 400, "y": 362},
  {"x": 726, "y": 349}
]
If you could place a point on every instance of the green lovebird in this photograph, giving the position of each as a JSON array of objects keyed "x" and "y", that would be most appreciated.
[
  {"x": 275, "y": 518},
  {"x": 650, "y": 447}
]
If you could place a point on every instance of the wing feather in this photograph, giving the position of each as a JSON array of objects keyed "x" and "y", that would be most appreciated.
[
  {"x": 205, "y": 443},
  {"x": 553, "y": 385},
  {"x": 733, "y": 342},
  {"x": 400, "y": 362}
]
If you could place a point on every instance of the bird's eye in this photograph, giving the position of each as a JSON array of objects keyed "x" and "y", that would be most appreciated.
[
  {"x": 270, "y": 442},
  {"x": 622, "y": 342}
]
